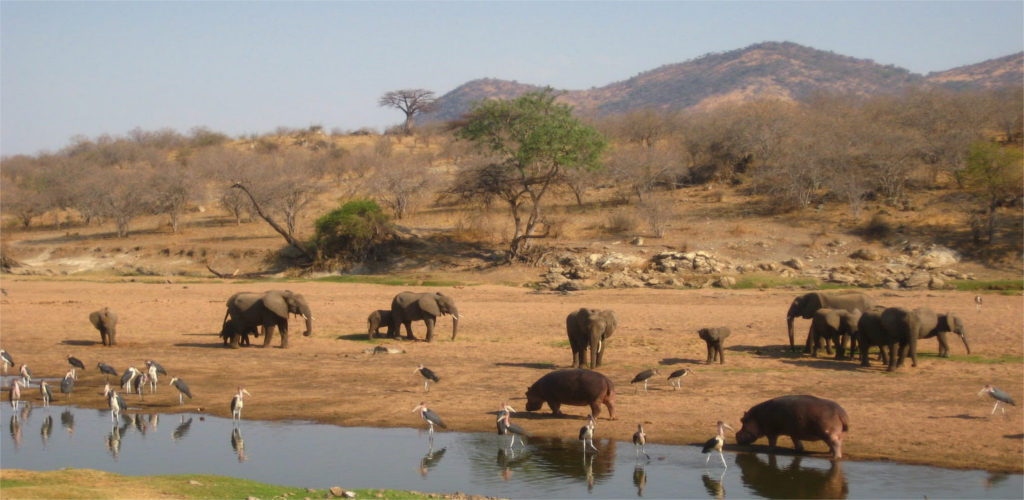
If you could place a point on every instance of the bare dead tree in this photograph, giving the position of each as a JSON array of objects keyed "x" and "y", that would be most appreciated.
[
  {"x": 399, "y": 183},
  {"x": 243, "y": 185},
  {"x": 409, "y": 101}
]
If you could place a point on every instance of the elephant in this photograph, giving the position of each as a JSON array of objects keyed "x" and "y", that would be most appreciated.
[
  {"x": 105, "y": 321},
  {"x": 837, "y": 326},
  {"x": 407, "y": 307},
  {"x": 377, "y": 319},
  {"x": 936, "y": 325},
  {"x": 901, "y": 327},
  {"x": 805, "y": 305},
  {"x": 869, "y": 333},
  {"x": 269, "y": 309},
  {"x": 233, "y": 327},
  {"x": 715, "y": 338},
  {"x": 589, "y": 328}
]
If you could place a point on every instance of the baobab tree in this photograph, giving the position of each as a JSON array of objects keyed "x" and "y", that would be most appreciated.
[{"x": 410, "y": 101}]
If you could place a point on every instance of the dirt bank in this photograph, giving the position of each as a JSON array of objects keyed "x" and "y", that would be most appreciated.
[{"x": 509, "y": 337}]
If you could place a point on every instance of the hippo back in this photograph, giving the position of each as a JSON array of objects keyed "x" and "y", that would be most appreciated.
[{"x": 573, "y": 387}]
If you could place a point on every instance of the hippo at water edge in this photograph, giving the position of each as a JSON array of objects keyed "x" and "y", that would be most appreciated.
[
  {"x": 802, "y": 418},
  {"x": 577, "y": 387}
]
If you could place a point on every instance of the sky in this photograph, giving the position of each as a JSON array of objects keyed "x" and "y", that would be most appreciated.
[{"x": 90, "y": 68}]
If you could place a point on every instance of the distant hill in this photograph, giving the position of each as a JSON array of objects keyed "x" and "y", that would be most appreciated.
[{"x": 781, "y": 69}]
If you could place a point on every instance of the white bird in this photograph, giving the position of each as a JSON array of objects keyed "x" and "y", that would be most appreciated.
[
  {"x": 716, "y": 443},
  {"x": 587, "y": 434},
  {"x": 153, "y": 378},
  {"x": 977, "y": 302},
  {"x": 237, "y": 403}
]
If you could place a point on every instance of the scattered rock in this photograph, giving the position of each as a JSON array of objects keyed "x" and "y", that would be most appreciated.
[
  {"x": 865, "y": 254},
  {"x": 193, "y": 482},
  {"x": 638, "y": 241},
  {"x": 937, "y": 257},
  {"x": 795, "y": 263},
  {"x": 337, "y": 491}
]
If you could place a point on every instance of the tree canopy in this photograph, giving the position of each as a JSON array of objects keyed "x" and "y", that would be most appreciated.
[{"x": 410, "y": 101}]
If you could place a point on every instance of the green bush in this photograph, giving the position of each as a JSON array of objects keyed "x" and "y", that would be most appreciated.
[{"x": 357, "y": 231}]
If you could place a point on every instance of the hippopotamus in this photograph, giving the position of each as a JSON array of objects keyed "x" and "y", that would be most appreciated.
[
  {"x": 577, "y": 387},
  {"x": 802, "y": 418}
]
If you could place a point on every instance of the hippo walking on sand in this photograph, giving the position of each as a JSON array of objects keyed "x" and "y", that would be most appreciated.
[
  {"x": 802, "y": 418},
  {"x": 576, "y": 387}
]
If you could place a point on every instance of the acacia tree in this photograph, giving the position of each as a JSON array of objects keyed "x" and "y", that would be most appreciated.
[
  {"x": 530, "y": 141},
  {"x": 994, "y": 174},
  {"x": 410, "y": 101}
]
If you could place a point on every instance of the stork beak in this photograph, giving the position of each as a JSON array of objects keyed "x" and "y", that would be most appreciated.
[
  {"x": 727, "y": 426},
  {"x": 414, "y": 410},
  {"x": 509, "y": 408},
  {"x": 246, "y": 392},
  {"x": 983, "y": 391}
]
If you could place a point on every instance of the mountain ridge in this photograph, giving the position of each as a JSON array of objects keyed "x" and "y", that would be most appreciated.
[{"x": 783, "y": 70}]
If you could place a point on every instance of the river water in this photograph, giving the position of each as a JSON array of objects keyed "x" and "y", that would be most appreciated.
[{"x": 320, "y": 456}]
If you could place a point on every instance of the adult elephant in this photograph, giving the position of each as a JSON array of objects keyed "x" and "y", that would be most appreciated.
[
  {"x": 407, "y": 307},
  {"x": 105, "y": 321},
  {"x": 870, "y": 332},
  {"x": 269, "y": 309},
  {"x": 937, "y": 325},
  {"x": 805, "y": 306},
  {"x": 589, "y": 328},
  {"x": 901, "y": 327}
]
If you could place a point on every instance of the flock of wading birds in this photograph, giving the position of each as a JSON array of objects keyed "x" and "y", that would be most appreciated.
[{"x": 837, "y": 325}]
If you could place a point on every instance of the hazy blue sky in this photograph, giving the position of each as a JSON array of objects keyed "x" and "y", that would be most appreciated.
[{"x": 91, "y": 68}]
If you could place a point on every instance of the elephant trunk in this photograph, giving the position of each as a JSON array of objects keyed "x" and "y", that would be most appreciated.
[
  {"x": 455, "y": 321},
  {"x": 308, "y": 316},
  {"x": 789, "y": 323},
  {"x": 963, "y": 336}
]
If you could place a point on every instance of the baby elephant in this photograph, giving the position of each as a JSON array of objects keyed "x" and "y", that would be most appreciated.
[
  {"x": 105, "y": 321},
  {"x": 377, "y": 319},
  {"x": 234, "y": 327},
  {"x": 715, "y": 338}
]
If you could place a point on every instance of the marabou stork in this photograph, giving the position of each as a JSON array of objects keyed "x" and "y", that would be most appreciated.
[
  {"x": 15, "y": 394},
  {"x": 587, "y": 434},
  {"x": 515, "y": 430},
  {"x": 106, "y": 370},
  {"x": 977, "y": 302},
  {"x": 152, "y": 376},
  {"x": 44, "y": 390},
  {"x": 128, "y": 377},
  {"x": 6, "y": 360},
  {"x": 67, "y": 384},
  {"x": 154, "y": 365},
  {"x": 999, "y": 396},
  {"x": 716, "y": 443},
  {"x": 75, "y": 362},
  {"x": 182, "y": 388},
  {"x": 639, "y": 441},
  {"x": 643, "y": 377},
  {"x": 431, "y": 417},
  {"x": 428, "y": 375},
  {"x": 116, "y": 404},
  {"x": 237, "y": 403},
  {"x": 139, "y": 383},
  {"x": 26, "y": 375},
  {"x": 675, "y": 378}
]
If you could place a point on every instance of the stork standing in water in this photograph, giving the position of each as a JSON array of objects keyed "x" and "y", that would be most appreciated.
[
  {"x": 6, "y": 360},
  {"x": 139, "y": 382},
  {"x": 182, "y": 388},
  {"x": 236, "y": 404},
  {"x": 116, "y": 404},
  {"x": 675, "y": 379},
  {"x": 75, "y": 362},
  {"x": 68, "y": 384},
  {"x": 106, "y": 370},
  {"x": 639, "y": 441},
  {"x": 716, "y": 443},
  {"x": 428, "y": 375},
  {"x": 431, "y": 418},
  {"x": 587, "y": 434},
  {"x": 511, "y": 428},
  {"x": 44, "y": 390},
  {"x": 15, "y": 394},
  {"x": 26, "y": 375},
  {"x": 999, "y": 396},
  {"x": 644, "y": 376}
]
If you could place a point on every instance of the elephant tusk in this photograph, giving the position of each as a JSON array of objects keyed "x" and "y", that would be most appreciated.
[{"x": 600, "y": 345}]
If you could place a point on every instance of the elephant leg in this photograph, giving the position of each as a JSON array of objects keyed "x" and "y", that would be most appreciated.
[
  {"x": 430, "y": 328},
  {"x": 268, "y": 334},
  {"x": 284, "y": 333},
  {"x": 720, "y": 353},
  {"x": 112, "y": 336},
  {"x": 576, "y": 357},
  {"x": 772, "y": 440},
  {"x": 902, "y": 354},
  {"x": 828, "y": 348},
  {"x": 711, "y": 354},
  {"x": 864, "y": 354},
  {"x": 841, "y": 347},
  {"x": 408, "y": 330},
  {"x": 892, "y": 357},
  {"x": 233, "y": 339},
  {"x": 943, "y": 346}
]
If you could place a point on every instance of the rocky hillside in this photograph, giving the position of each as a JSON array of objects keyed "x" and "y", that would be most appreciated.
[{"x": 779, "y": 69}]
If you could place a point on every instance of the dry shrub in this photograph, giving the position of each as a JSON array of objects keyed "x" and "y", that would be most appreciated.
[
  {"x": 480, "y": 226},
  {"x": 740, "y": 230},
  {"x": 880, "y": 226},
  {"x": 657, "y": 215},
  {"x": 621, "y": 222}
]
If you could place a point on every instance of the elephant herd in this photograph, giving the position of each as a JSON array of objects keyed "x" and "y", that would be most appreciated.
[{"x": 856, "y": 319}]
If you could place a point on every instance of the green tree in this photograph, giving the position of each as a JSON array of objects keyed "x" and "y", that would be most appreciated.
[
  {"x": 529, "y": 143},
  {"x": 996, "y": 175},
  {"x": 358, "y": 230}
]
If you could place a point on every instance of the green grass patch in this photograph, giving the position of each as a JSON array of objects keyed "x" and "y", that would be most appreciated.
[
  {"x": 559, "y": 343},
  {"x": 997, "y": 285},
  {"x": 762, "y": 281}
]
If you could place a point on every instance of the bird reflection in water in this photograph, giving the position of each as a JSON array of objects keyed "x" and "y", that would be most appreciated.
[
  {"x": 67, "y": 421},
  {"x": 714, "y": 486},
  {"x": 430, "y": 460},
  {"x": 113, "y": 441},
  {"x": 995, "y": 478},
  {"x": 16, "y": 431},
  {"x": 639, "y": 479},
  {"x": 45, "y": 431},
  {"x": 509, "y": 459},
  {"x": 154, "y": 421},
  {"x": 588, "y": 470},
  {"x": 26, "y": 410},
  {"x": 238, "y": 444},
  {"x": 182, "y": 429}
]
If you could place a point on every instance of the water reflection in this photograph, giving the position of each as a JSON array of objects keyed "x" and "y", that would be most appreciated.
[
  {"x": 45, "y": 431},
  {"x": 714, "y": 486},
  {"x": 769, "y": 480},
  {"x": 431, "y": 460},
  {"x": 182, "y": 429},
  {"x": 639, "y": 479},
  {"x": 67, "y": 421},
  {"x": 16, "y": 431},
  {"x": 113, "y": 441},
  {"x": 238, "y": 444},
  {"x": 509, "y": 460}
]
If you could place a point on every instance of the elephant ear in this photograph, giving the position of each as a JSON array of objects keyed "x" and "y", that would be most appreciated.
[
  {"x": 428, "y": 304},
  {"x": 94, "y": 318},
  {"x": 812, "y": 303},
  {"x": 275, "y": 303},
  {"x": 950, "y": 320}
]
